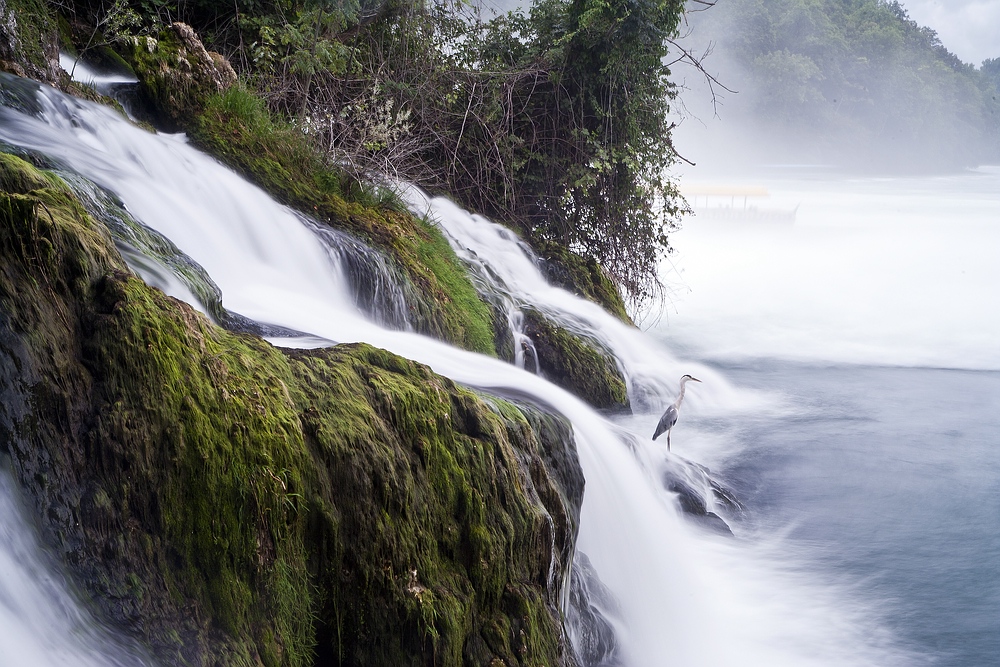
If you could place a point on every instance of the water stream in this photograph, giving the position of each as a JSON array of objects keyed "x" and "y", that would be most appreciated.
[
  {"x": 42, "y": 621},
  {"x": 687, "y": 596}
]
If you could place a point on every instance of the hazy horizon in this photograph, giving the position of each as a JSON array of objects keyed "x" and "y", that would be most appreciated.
[{"x": 967, "y": 28}]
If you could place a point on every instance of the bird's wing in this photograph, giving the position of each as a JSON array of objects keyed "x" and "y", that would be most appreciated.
[{"x": 668, "y": 419}]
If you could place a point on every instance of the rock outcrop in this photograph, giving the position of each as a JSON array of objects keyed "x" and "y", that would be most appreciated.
[
  {"x": 177, "y": 73},
  {"x": 29, "y": 40},
  {"x": 576, "y": 364},
  {"x": 233, "y": 503}
]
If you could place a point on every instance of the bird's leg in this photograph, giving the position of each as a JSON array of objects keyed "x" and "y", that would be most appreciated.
[{"x": 668, "y": 440}]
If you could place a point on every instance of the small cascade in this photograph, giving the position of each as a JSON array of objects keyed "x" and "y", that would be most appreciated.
[
  {"x": 42, "y": 623},
  {"x": 120, "y": 86},
  {"x": 505, "y": 266},
  {"x": 488, "y": 283},
  {"x": 380, "y": 290}
]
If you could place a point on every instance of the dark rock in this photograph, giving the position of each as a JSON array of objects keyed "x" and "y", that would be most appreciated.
[
  {"x": 696, "y": 489},
  {"x": 591, "y": 605},
  {"x": 576, "y": 364}
]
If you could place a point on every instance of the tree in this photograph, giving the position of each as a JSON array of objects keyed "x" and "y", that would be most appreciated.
[{"x": 592, "y": 136}]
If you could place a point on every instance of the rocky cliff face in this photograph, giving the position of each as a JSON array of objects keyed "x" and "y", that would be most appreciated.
[
  {"x": 233, "y": 503},
  {"x": 177, "y": 73}
]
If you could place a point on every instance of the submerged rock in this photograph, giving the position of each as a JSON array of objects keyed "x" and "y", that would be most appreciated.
[
  {"x": 232, "y": 503},
  {"x": 698, "y": 494}
]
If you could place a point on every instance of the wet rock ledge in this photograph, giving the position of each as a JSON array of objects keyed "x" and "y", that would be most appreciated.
[{"x": 232, "y": 503}]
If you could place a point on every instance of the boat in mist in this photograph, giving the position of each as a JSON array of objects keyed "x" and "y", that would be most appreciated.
[{"x": 734, "y": 204}]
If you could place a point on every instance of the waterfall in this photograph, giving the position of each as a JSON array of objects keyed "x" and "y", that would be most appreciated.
[
  {"x": 684, "y": 596},
  {"x": 506, "y": 267},
  {"x": 41, "y": 622}
]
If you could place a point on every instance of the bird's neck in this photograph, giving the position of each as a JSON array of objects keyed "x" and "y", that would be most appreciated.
[{"x": 680, "y": 397}]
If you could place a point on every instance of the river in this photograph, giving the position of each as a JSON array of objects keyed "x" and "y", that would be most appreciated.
[{"x": 874, "y": 318}]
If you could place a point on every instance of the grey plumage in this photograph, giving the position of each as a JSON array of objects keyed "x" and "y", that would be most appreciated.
[
  {"x": 669, "y": 417},
  {"x": 666, "y": 422}
]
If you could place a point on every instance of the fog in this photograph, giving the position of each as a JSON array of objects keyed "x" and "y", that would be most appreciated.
[
  {"x": 804, "y": 84},
  {"x": 898, "y": 271},
  {"x": 968, "y": 27}
]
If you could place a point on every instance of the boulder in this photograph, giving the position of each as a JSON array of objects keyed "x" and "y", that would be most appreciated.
[
  {"x": 575, "y": 363},
  {"x": 231, "y": 503},
  {"x": 177, "y": 73}
]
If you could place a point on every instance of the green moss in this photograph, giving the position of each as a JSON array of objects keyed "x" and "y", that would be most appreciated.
[
  {"x": 441, "y": 544},
  {"x": 244, "y": 505},
  {"x": 208, "y": 424},
  {"x": 576, "y": 364},
  {"x": 17, "y": 176},
  {"x": 468, "y": 314},
  {"x": 237, "y": 129},
  {"x": 107, "y": 59},
  {"x": 35, "y": 37},
  {"x": 582, "y": 276},
  {"x": 193, "y": 446}
]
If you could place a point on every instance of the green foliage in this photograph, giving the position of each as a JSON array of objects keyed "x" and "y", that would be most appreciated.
[
  {"x": 598, "y": 183},
  {"x": 555, "y": 123},
  {"x": 855, "y": 81},
  {"x": 303, "y": 47},
  {"x": 991, "y": 72}
]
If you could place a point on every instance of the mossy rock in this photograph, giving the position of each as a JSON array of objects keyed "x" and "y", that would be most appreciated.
[
  {"x": 433, "y": 544},
  {"x": 576, "y": 364},
  {"x": 29, "y": 40},
  {"x": 237, "y": 129},
  {"x": 176, "y": 73},
  {"x": 582, "y": 276},
  {"x": 231, "y": 503}
]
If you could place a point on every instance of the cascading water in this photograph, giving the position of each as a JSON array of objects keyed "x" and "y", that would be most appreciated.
[
  {"x": 41, "y": 622},
  {"x": 684, "y": 596}
]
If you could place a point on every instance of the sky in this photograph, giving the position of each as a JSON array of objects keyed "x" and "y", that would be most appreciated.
[{"x": 968, "y": 28}]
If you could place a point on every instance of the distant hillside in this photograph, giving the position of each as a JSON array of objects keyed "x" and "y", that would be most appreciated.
[{"x": 854, "y": 83}]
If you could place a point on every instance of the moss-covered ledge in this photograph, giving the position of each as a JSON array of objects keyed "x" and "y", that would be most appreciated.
[
  {"x": 582, "y": 276},
  {"x": 235, "y": 504},
  {"x": 576, "y": 364},
  {"x": 237, "y": 129}
]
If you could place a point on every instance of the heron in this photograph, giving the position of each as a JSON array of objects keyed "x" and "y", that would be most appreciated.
[{"x": 669, "y": 417}]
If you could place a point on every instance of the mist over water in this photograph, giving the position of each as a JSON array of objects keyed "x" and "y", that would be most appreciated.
[
  {"x": 875, "y": 271},
  {"x": 874, "y": 316}
]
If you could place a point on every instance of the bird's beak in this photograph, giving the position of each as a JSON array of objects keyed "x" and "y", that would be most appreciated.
[{"x": 696, "y": 379}]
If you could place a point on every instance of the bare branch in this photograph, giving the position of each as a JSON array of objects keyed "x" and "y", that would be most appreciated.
[{"x": 697, "y": 62}]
